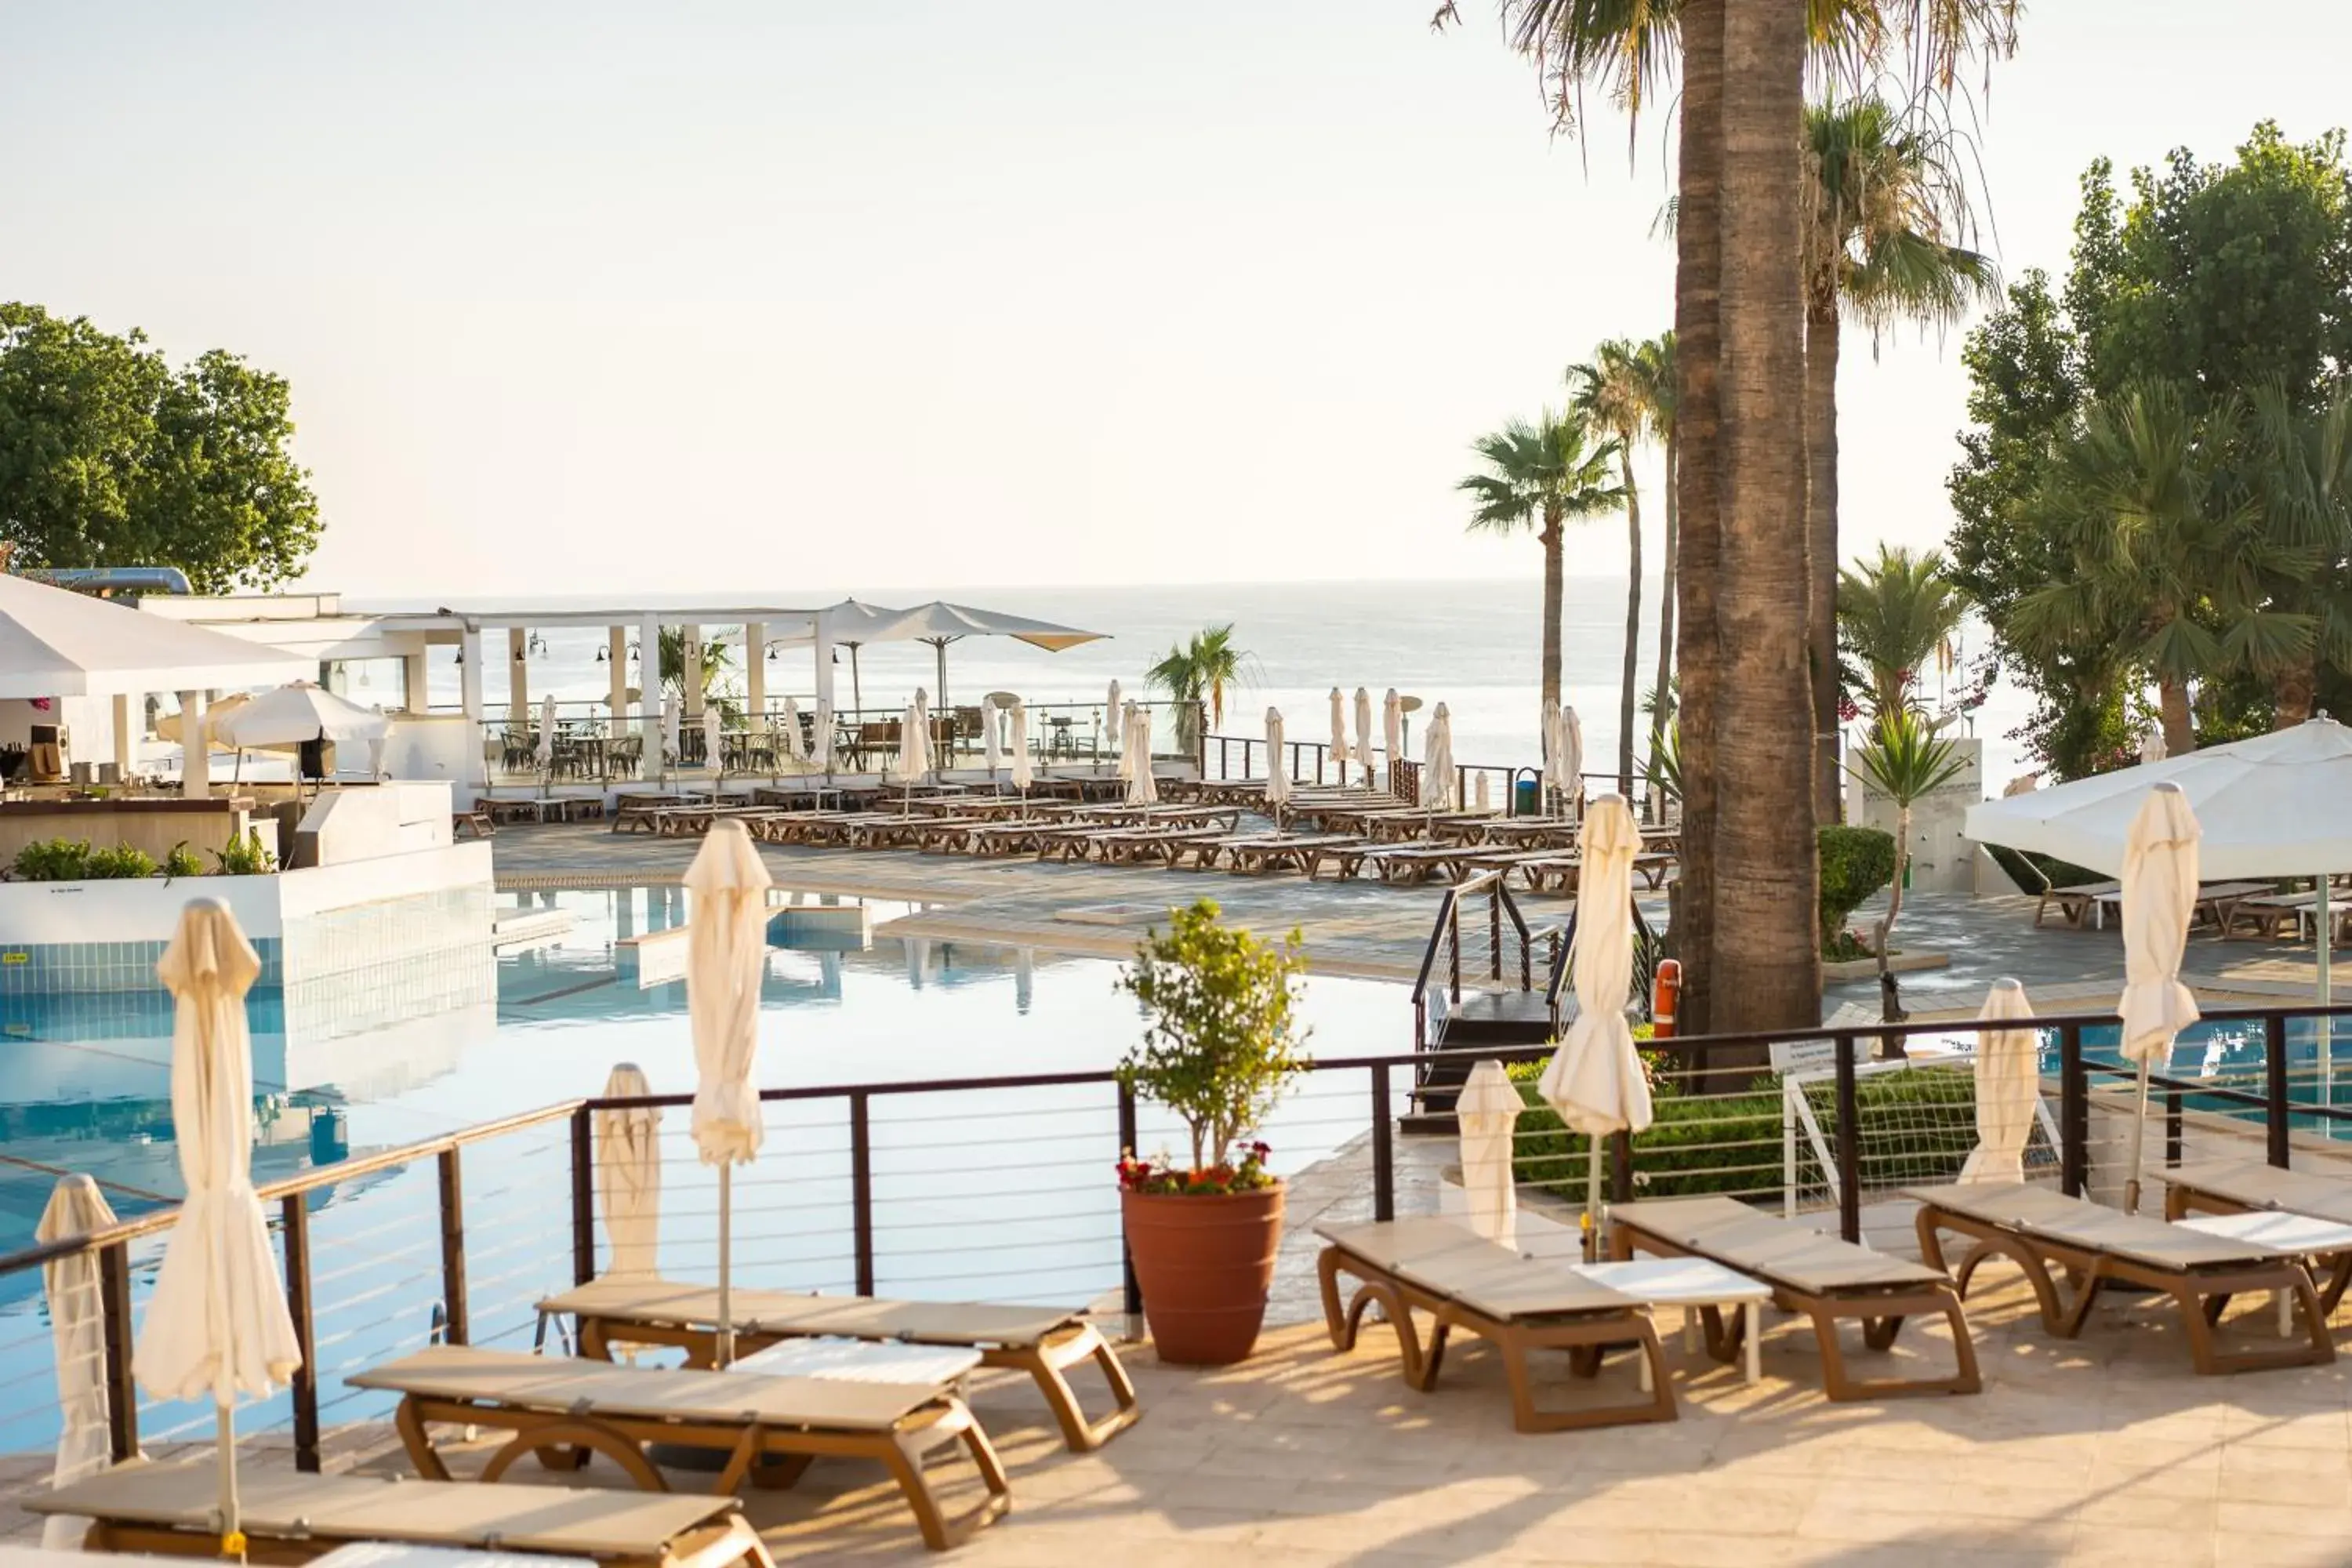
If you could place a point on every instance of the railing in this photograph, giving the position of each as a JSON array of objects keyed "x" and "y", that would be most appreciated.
[
  {"x": 1226, "y": 757},
  {"x": 1445, "y": 946},
  {"x": 1001, "y": 1187}
]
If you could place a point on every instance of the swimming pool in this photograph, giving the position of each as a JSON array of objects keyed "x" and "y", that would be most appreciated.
[{"x": 1009, "y": 1198}]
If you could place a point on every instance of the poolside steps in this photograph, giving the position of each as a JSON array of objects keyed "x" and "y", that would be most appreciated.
[
  {"x": 1487, "y": 1018},
  {"x": 515, "y": 929}
]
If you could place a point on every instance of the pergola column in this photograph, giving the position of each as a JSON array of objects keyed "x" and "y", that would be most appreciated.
[
  {"x": 415, "y": 686},
  {"x": 196, "y": 749},
  {"x": 689, "y": 673},
  {"x": 651, "y": 695},
  {"x": 617, "y": 654},
  {"x": 755, "y": 671},
  {"x": 122, "y": 711},
  {"x": 518, "y": 676}
]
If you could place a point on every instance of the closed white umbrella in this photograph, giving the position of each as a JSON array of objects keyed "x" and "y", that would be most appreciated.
[
  {"x": 1437, "y": 761},
  {"x": 992, "y": 752},
  {"x": 1123, "y": 719},
  {"x": 1548, "y": 739},
  {"x": 793, "y": 749},
  {"x": 1339, "y": 733},
  {"x": 1571, "y": 752},
  {"x": 628, "y": 1175},
  {"x": 2152, "y": 749},
  {"x": 673, "y": 733},
  {"x": 1278, "y": 770},
  {"x": 714, "y": 755},
  {"x": 2008, "y": 1081},
  {"x": 1488, "y": 1115},
  {"x": 1478, "y": 793},
  {"x": 726, "y": 949},
  {"x": 1114, "y": 723},
  {"x": 1392, "y": 733},
  {"x": 914, "y": 740},
  {"x": 2159, "y": 898},
  {"x": 822, "y": 734},
  {"x": 76, "y": 1344},
  {"x": 1595, "y": 1079},
  {"x": 544, "y": 752},
  {"x": 1142, "y": 788},
  {"x": 1023, "y": 771},
  {"x": 216, "y": 1324},
  {"x": 1364, "y": 732}
]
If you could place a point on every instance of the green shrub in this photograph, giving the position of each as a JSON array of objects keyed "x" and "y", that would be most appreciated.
[
  {"x": 182, "y": 862},
  {"x": 1855, "y": 863},
  {"x": 121, "y": 861},
  {"x": 1919, "y": 1127},
  {"x": 244, "y": 857},
  {"x": 54, "y": 860}
]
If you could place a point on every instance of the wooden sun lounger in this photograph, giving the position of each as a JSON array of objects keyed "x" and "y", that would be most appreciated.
[
  {"x": 2038, "y": 1226},
  {"x": 1303, "y": 853},
  {"x": 2249, "y": 1186},
  {"x": 2074, "y": 903},
  {"x": 770, "y": 1427},
  {"x": 1514, "y": 1302},
  {"x": 1828, "y": 1279},
  {"x": 1400, "y": 865},
  {"x": 1141, "y": 846},
  {"x": 288, "y": 1518},
  {"x": 1041, "y": 1342}
]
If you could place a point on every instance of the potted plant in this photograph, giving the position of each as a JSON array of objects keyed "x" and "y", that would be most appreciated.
[{"x": 1220, "y": 1047}]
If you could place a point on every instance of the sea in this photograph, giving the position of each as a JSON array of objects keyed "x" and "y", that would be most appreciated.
[{"x": 1475, "y": 645}]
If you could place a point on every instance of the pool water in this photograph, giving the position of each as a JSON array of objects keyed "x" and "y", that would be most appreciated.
[{"x": 1007, "y": 1196}]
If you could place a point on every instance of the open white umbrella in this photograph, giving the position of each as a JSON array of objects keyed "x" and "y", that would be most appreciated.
[
  {"x": 543, "y": 753},
  {"x": 1488, "y": 1115},
  {"x": 76, "y": 1344},
  {"x": 1142, "y": 788},
  {"x": 793, "y": 749},
  {"x": 1277, "y": 771},
  {"x": 1023, "y": 769},
  {"x": 1437, "y": 779},
  {"x": 2008, "y": 1081},
  {"x": 1340, "y": 734},
  {"x": 628, "y": 1175},
  {"x": 293, "y": 716},
  {"x": 2159, "y": 898},
  {"x": 1364, "y": 732},
  {"x": 216, "y": 1324},
  {"x": 714, "y": 755},
  {"x": 1392, "y": 733},
  {"x": 939, "y": 623},
  {"x": 1595, "y": 1079},
  {"x": 726, "y": 949}
]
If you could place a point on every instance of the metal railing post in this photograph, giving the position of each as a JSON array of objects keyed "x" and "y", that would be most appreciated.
[
  {"x": 1495, "y": 933},
  {"x": 1849, "y": 1153},
  {"x": 861, "y": 1189},
  {"x": 294, "y": 1218},
  {"x": 1131, "y": 1289},
  {"x": 584, "y": 1198},
  {"x": 1620, "y": 1167},
  {"x": 122, "y": 1393},
  {"x": 2275, "y": 1111},
  {"x": 453, "y": 1246},
  {"x": 1384, "y": 1148},
  {"x": 2172, "y": 1129},
  {"x": 2073, "y": 1113}
]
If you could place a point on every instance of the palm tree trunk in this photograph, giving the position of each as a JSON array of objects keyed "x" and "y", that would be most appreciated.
[
  {"x": 1767, "y": 960},
  {"x": 2172, "y": 703},
  {"x": 1895, "y": 901},
  {"x": 1551, "y": 596},
  {"x": 1699, "y": 280},
  {"x": 1662, "y": 701},
  {"x": 2295, "y": 691},
  {"x": 1629, "y": 699},
  {"x": 1822, "y": 538}
]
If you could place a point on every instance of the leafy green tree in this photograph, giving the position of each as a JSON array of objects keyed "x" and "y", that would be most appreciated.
[
  {"x": 1627, "y": 389},
  {"x": 111, "y": 457},
  {"x": 1542, "y": 476},
  {"x": 1893, "y": 613},
  {"x": 1201, "y": 670},
  {"x": 1905, "y": 761}
]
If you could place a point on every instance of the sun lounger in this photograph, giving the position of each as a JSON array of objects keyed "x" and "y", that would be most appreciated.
[
  {"x": 1306, "y": 853},
  {"x": 769, "y": 1429},
  {"x": 1041, "y": 1342},
  {"x": 1514, "y": 1302},
  {"x": 287, "y": 1516},
  {"x": 2074, "y": 903},
  {"x": 2038, "y": 1226},
  {"x": 2249, "y": 1186},
  {"x": 1145, "y": 845},
  {"x": 1401, "y": 865},
  {"x": 1828, "y": 1279}
]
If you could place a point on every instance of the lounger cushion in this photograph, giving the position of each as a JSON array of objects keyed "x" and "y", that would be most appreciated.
[
  {"x": 1768, "y": 1248},
  {"x": 584, "y": 1521},
  {"x": 787, "y": 1313},
  {"x": 2252, "y": 1184},
  {"x": 516, "y": 1379},
  {"x": 2050, "y": 1216},
  {"x": 1445, "y": 1259}
]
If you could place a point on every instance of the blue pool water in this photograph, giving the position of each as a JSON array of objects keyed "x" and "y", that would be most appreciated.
[{"x": 1009, "y": 1197}]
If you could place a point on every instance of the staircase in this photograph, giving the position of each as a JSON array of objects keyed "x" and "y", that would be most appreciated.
[{"x": 1511, "y": 999}]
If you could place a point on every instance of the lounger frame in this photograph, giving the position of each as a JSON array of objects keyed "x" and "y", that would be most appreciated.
[{"x": 2185, "y": 1194}]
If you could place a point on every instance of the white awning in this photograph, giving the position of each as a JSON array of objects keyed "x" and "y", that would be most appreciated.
[
  {"x": 940, "y": 621},
  {"x": 57, "y": 643}
]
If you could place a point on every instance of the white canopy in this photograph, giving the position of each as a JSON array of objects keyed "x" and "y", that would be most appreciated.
[
  {"x": 2270, "y": 806},
  {"x": 296, "y": 713},
  {"x": 57, "y": 643}
]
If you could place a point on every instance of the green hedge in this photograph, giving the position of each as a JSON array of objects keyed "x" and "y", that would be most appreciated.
[
  {"x": 1918, "y": 1125},
  {"x": 1855, "y": 863}
]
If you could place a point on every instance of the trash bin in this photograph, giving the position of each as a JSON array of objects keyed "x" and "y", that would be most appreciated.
[{"x": 1526, "y": 798}]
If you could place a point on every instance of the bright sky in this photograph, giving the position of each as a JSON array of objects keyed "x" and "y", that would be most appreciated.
[{"x": 575, "y": 297}]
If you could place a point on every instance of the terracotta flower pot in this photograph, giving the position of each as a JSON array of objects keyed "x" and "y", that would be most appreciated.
[{"x": 1204, "y": 1264}]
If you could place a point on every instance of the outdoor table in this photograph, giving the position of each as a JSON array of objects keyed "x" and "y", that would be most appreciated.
[
  {"x": 1689, "y": 1283},
  {"x": 2298, "y": 1233}
]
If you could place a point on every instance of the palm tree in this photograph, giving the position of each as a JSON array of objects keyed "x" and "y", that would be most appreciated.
[
  {"x": 2172, "y": 562},
  {"x": 1542, "y": 476},
  {"x": 1883, "y": 196},
  {"x": 1197, "y": 673},
  {"x": 1905, "y": 761},
  {"x": 2304, "y": 484},
  {"x": 1893, "y": 613},
  {"x": 1658, "y": 353},
  {"x": 715, "y": 659},
  {"x": 1617, "y": 389}
]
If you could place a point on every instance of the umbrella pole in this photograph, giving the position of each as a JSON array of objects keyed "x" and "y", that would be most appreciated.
[
  {"x": 1592, "y": 1199},
  {"x": 2326, "y": 1045},
  {"x": 2138, "y": 1141},
  {"x": 232, "y": 1517},
  {"x": 725, "y": 1356}
]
